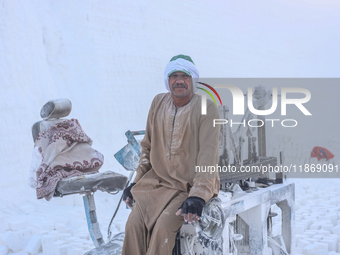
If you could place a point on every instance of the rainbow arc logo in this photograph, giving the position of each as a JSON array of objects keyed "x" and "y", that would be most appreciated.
[{"x": 209, "y": 93}]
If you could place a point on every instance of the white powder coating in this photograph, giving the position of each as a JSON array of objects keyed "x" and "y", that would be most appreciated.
[
  {"x": 35, "y": 163},
  {"x": 108, "y": 58}
]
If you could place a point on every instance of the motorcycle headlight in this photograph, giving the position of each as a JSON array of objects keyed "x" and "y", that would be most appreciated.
[{"x": 210, "y": 227}]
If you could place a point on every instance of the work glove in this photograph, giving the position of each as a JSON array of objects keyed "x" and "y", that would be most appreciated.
[
  {"x": 127, "y": 192},
  {"x": 193, "y": 206}
]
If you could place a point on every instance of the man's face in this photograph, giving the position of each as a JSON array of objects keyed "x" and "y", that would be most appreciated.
[{"x": 180, "y": 84}]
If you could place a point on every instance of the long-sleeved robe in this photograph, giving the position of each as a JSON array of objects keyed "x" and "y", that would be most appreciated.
[{"x": 175, "y": 142}]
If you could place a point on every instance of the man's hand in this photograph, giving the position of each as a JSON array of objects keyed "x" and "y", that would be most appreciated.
[
  {"x": 191, "y": 209},
  {"x": 127, "y": 196}
]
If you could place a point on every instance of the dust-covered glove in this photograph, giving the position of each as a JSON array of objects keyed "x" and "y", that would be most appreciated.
[
  {"x": 127, "y": 192},
  {"x": 193, "y": 205}
]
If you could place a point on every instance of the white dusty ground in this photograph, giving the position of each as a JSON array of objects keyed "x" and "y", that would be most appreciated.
[
  {"x": 55, "y": 227},
  {"x": 317, "y": 218}
]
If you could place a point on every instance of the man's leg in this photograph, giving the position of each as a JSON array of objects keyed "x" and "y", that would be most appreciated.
[
  {"x": 135, "y": 241},
  {"x": 168, "y": 224}
]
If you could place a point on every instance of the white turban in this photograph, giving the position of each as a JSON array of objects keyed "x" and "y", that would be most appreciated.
[{"x": 181, "y": 63}]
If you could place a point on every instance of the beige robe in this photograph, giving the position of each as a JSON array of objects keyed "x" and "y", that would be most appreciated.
[{"x": 175, "y": 141}]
